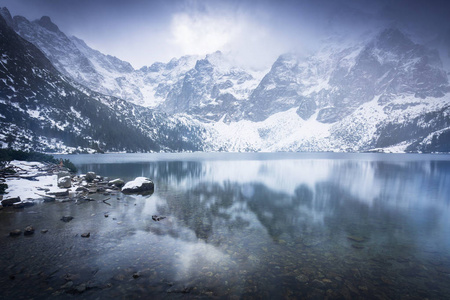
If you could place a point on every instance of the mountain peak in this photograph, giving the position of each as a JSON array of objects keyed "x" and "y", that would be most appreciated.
[
  {"x": 219, "y": 61},
  {"x": 203, "y": 64},
  {"x": 287, "y": 60},
  {"x": 47, "y": 23},
  {"x": 4, "y": 12},
  {"x": 215, "y": 55}
]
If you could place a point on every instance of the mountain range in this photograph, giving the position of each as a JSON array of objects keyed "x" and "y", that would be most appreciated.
[{"x": 379, "y": 92}]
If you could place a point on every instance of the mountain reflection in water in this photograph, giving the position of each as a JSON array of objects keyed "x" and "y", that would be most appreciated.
[{"x": 272, "y": 227}]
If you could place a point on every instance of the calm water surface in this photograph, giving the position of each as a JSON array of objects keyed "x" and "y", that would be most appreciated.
[{"x": 271, "y": 226}]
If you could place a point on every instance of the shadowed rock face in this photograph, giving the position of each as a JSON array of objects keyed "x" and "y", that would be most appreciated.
[
  {"x": 391, "y": 64},
  {"x": 4, "y": 12},
  {"x": 47, "y": 24}
]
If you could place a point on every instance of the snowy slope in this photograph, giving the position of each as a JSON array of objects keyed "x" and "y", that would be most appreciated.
[{"x": 363, "y": 130}]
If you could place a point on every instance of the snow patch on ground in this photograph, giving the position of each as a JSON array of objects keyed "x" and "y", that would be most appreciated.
[
  {"x": 28, "y": 189},
  {"x": 286, "y": 131},
  {"x": 76, "y": 113}
]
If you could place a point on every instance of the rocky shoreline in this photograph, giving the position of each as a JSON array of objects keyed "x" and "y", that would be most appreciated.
[{"x": 31, "y": 182}]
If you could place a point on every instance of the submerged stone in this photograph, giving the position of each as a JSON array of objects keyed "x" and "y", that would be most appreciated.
[
  {"x": 15, "y": 232},
  {"x": 354, "y": 238},
  {"x": 29, "y": 230},
  {"x": 156, "y": 218},
  {"x": 302, "y": 278},
  {"x": 67, "y": 218}
]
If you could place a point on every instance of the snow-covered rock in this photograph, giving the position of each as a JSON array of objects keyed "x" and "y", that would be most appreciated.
[
  {"x": 116, "y": 182},
  {"x": 65, "y": 182},
  {"x": 138, "y": 185},
  {"x": 90, "y": 176}
]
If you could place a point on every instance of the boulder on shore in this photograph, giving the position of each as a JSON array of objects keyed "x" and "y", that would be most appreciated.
[
  {"x": 65, "y": 182},
  {"x": 90, "y": 176},
  {"x": 140, "y": 185},
  {"x": 117, "y": 182},
  {"x": 10, "y": 201}
]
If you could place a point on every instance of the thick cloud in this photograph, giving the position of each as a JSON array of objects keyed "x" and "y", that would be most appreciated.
[{"x": 254, "y": 32}]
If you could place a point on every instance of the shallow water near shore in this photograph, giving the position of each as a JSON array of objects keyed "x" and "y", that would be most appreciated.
[{"x": 283, "y": 225}]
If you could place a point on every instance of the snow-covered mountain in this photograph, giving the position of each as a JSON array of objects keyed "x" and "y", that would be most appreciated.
[
  {"x": 380, "y": 90},
  {"x": 166, "y": 85},
  {"x": 213, "y": 89},
  {"x": 41, "y": 109}
]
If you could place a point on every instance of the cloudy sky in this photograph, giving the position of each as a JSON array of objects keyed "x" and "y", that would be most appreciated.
[{"x": 253, "y": 32}]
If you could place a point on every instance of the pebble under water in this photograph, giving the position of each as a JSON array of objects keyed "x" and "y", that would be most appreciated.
[{"x": 347, "y": 227}]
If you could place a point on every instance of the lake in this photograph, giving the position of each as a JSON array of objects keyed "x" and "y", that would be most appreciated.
[{"x": 250, "y": 225}]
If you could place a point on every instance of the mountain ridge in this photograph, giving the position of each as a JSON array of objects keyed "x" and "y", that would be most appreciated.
[
  {"x": 381, "y": 92},
  {"x": 41, "y": 109}
]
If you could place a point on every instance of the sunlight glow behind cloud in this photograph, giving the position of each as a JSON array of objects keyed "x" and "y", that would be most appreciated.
[
  {"x": 253, "y": 32},
  {"x": 202, "y": 34},
  {"x": 243, "y": 38}
]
